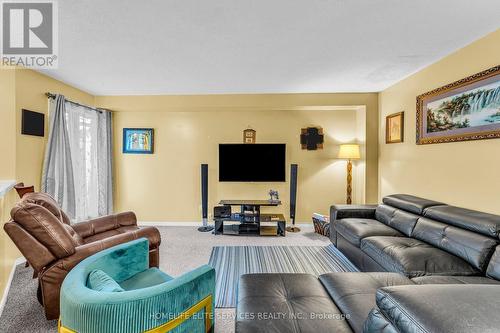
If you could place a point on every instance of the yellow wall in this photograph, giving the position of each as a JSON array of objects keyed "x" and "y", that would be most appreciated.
[
  {"x": 8, "y": 253},
  {"x": 166, "y": 185},
  {"x": 22, "y": 155},
  {"x": 463, "y": 173},
  {"x": 7, "y": 124}
]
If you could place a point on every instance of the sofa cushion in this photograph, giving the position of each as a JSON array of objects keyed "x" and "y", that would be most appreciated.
[
  {"x": 493, "y": 270},
  {"x": 479, "y": 222},
  {"x": 410, "y": 203},
  {"x": 354, "y": 230},
  {"x": 145, "y": 279},
  {"x": 151, "y": 233},
  {"x": 39, "y": 222},
  {"x": 474, "y": 248},
  {"x": 413, "y": 257},
  {"x": 354, "y": 293},
  {"x": 98, "y": 280},
  {"x": 438, "y": 279},
  {"x": 286, "y": 303},
  {"x": 102, "y": 235},
  {"x": 45, "y": 200},
  {"x": 397, "y": 218}
]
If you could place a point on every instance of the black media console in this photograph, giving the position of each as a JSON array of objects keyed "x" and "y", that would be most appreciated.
[{"x": 250, "y": 221}]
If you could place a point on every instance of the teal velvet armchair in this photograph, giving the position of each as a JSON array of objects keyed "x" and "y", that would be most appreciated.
[{"x": 115, "y": 291}]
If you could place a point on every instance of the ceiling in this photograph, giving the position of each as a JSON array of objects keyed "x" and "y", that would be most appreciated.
[{"x": 125, "y": 47}]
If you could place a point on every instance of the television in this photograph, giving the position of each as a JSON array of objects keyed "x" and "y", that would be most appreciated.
[
  {"x": 32, "y": 123},
  {"x": 252, "y": 162}
]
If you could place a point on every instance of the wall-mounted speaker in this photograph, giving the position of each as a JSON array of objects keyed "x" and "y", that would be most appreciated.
[
  {"x": 204, "y": 199},
  {"x": 32, "y": 123},
  {"x": 293, "y": 197}
]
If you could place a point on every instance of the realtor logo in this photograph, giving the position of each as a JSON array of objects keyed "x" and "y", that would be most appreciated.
[{"x": 29, "y": 34}]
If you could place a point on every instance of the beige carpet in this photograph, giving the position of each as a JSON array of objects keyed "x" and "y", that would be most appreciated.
[{"x": 182, "y": 249}]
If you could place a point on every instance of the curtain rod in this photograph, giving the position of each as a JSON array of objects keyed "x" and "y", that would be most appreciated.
[{"x": 51, "y": 95}]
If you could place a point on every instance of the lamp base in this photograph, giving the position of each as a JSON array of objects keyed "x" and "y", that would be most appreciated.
[
  {"x": 349, "y": 182},
  {"x": 293, "y": 228},
  {"x": 206, "y": 228}
]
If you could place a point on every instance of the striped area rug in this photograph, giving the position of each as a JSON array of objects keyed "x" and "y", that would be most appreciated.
[{"x": 232, "y": 261}]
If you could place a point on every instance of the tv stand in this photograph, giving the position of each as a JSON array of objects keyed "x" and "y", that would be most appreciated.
[{"x": 250, "y": 221}]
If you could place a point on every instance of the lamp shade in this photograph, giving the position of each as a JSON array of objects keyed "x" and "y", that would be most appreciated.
[{"x": 350, "y": 152}]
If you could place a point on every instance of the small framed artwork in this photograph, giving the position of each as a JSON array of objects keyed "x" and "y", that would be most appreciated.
[
  {"x": 138, "y": 140},
  {"x": 249, "y": 136},
  {"x": 311, "y": 138},
  {"x": 468, "y": 109},
  {"x": 395, "y": 128}
]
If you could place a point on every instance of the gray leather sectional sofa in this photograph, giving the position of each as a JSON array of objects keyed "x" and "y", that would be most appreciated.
[
  {"x": 416, "y": 237},
  {"x": 426, "y": 267}
]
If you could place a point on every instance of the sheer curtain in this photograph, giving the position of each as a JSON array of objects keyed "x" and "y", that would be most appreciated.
[{"x": 78, "y": 161}]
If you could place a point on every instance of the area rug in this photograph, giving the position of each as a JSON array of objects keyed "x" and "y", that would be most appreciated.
[{"x": 232, "y": 261}]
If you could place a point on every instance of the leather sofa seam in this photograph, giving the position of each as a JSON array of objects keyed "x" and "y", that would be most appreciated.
[{"x": 290, "y": 307}]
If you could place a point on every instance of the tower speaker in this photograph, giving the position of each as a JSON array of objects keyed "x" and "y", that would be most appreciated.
[
  {"x": 293, "y": 198},
  {"x": 204, "y": 199}
]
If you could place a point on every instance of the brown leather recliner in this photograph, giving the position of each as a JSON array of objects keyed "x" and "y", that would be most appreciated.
[{"x": 43, "y": 234}]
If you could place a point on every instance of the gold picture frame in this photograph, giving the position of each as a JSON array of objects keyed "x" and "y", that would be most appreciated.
[
  {"x": 464, "y": 110},
  {"x": 249, "y": 136},
  {"x": 312, "y": 138},
  {"x": 395, "y": 128}
]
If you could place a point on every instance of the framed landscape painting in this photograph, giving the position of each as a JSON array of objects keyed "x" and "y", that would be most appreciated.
[
  {"x": 468, "y": 109},
  {"x": 138, "y": 140}
]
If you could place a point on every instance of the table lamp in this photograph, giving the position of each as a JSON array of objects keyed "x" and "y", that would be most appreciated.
[{"x": 349, "y": 152}]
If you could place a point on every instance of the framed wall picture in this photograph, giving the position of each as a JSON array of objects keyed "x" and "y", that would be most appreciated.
[
  {"x": 312, "y": 138},
  {"x": 138, "y": 140},
  {"x": 249, "y": 136},
  {"x": 468, "y": 109},
  {"x": 395, "y": 128}
]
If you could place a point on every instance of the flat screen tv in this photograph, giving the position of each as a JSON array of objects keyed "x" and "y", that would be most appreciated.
[{"x": 252, "y": 162}]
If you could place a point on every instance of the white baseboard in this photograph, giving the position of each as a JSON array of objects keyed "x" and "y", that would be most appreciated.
[
  {"x": 195, "y": 224},
  {"x": 18, "y": 261},
  {"x": 168, "y": 224}
]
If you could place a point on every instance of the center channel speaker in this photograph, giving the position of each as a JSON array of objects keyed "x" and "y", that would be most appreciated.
[
  {"x": 204, "y": 199},
  {"x": 293, "y": 197}
]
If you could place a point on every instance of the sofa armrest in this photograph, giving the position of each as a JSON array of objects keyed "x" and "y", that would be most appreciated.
[
  {"x": 105, "y": 223},
  {"x": 338, "y": 212},
  {"x": 440, "y": 308},
  {"x": 377, "y": 323}
]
